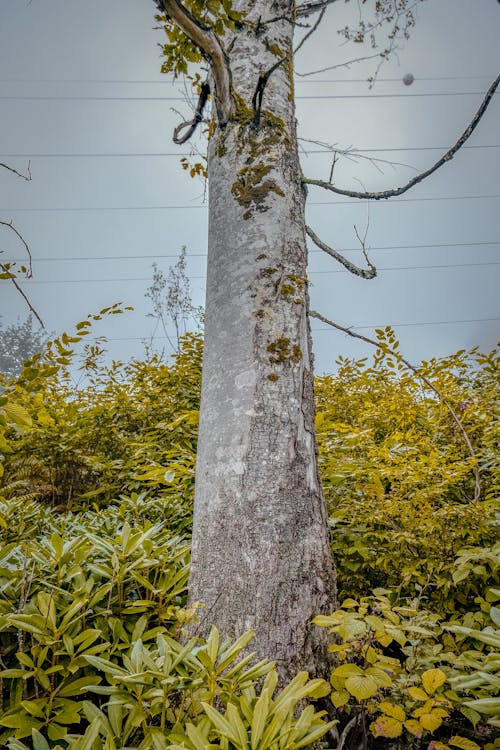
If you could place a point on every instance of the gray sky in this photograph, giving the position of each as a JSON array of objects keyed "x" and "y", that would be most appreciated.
[{"x": 82, "y": 97}]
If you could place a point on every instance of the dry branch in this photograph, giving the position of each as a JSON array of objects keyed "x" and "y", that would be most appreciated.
[
  {"x": 26, "y": 176},
  {"x": 365, "y": 273}
]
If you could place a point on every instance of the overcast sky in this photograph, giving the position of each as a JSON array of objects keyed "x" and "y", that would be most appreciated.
[{"x": 83, "y": 99}]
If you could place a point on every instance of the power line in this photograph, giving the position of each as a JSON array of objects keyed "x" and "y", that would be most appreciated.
[
  {"x": 311, "y": 273},
  {"x": 204, "y": 255},
  {"x": 355, "y": 328},
  {"x": 205, "y": 206},
  {"x": 177, "y": 154},
  {"x": 307, "y": 80},
  {"x": 416, "y": 323},
  {"x": 18, "y": 97}
]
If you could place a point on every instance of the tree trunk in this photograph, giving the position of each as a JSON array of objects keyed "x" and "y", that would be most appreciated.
[{"x": 260, "y": 556}]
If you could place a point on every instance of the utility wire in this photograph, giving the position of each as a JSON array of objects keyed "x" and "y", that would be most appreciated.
[
  {"x": 305, "y": 80},
  {"x": 205, "y": 206},
  {"x": 204, "y": 255},
  {"x": 115, "y": 280},
  {"x": 416, "y": 323},
  {"x": 18, "y": 97},
  {"x": 177, "y": 154},
  {"x": 355, "y": 328}
]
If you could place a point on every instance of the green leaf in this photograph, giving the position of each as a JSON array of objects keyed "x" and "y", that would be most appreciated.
[
  {"x": 39, "y": 741},
  {"x": 220, "y": 723}
]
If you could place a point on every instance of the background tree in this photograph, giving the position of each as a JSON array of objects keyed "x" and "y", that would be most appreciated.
[
  {"x": 18, "y": 342},
  {"x": 171, "y": 301},
  {"x": 260, "y": 555}
]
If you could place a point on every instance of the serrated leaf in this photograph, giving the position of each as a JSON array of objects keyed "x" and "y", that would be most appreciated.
[
  {"x": 430, "y": 721},
  {"x": 386, "y": 726},
  {"x": 393, "y": 710},
  {"x": 432, "y": 679},
  {"x": 414, "y": 727}
]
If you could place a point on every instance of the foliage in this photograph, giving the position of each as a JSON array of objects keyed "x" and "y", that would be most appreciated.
[
  {"x": 91, "y": 610},
  {"x": 397, "y": 474},
  {"x": 180, "y": 52},
  {"x": 131, "y": 427},
  {"x": 400, "y": 669},
  {"x": 171, "y": 299},
  {"x": 95, "y": 514}
]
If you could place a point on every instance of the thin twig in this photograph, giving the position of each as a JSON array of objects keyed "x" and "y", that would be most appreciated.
[
  {"x": 338, "y": 65},
  {"x": 424, "y": 379},
  {"x": 418, "y": 178},
  {"x": 353, "y": 155}
]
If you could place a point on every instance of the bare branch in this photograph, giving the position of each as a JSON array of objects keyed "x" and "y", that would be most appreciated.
[
  {"x": 191, "y": 125},
  {"x": 339, "y": 65},
  {"x": 424, "y": 379},
  {"x": 212, "y": 50},
  {"x": 10, "y": 225},
  {"x": 315, "y": 6},
  {"x": 365, "y": 273},
  {"x": 23, "y": 295},
  {"x": 26, "y": 176},
  {"x": 311, "y": 31},
  {"x": 418, "y": 178}
]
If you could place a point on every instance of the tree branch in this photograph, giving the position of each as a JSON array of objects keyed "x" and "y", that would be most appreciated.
[
  {"x": 10, "y": 225},
  {"x": 315, "y": 6},
  {"x": 191, "y": 125},
  {"x": 365, "y": 273},
  {"x": 424, "y": 379},
  {"x": 23, "y": 295},
  {"x": 26, "y": 176},
  {"x": 212, "y": 50},
  {"x": 418, "y": 178}
]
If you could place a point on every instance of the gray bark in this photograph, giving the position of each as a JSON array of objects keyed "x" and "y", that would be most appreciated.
[{"x": 260, "y": 555}]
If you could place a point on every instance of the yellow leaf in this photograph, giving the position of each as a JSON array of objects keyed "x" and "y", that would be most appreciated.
[
  {"x": 414, "y": 727},
  {"x": 432, "y": 679},
  {"x": 418, "y": 694},
  {"x": 383, "y": 638},
  {"x": 361, "y": 686},
  {"x": 339, "y": 698},
  {"x": 431, "y": 721},
  {"x": 393, "y": 710},
  {"x": 386, "y": 726}
]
